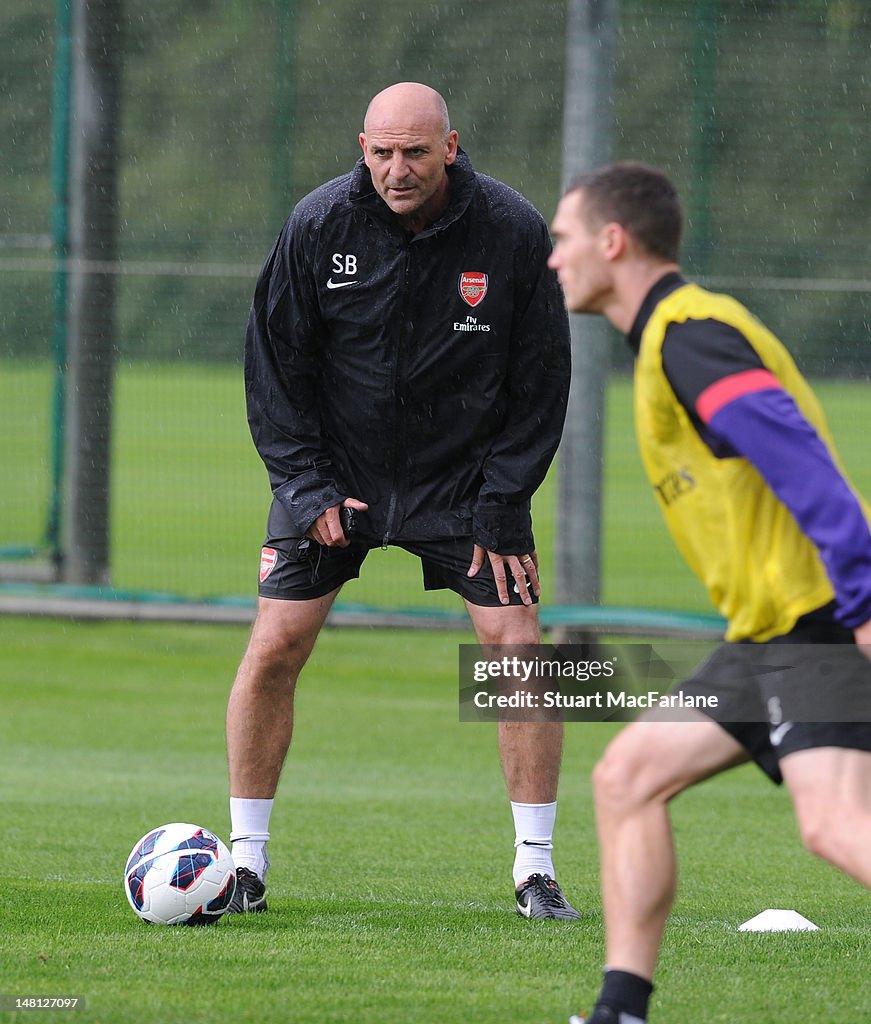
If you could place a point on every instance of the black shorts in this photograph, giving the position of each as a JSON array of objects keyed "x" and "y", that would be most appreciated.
[
  {"x": 808, "y": 689},
  {"x": 300, "y": 569}
]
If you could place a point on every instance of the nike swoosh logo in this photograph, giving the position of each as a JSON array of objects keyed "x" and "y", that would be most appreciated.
[
  {"x": 776, "y": 735},
  {"x": 331, "y": 284},
  {"x": 524, "y": 910}
]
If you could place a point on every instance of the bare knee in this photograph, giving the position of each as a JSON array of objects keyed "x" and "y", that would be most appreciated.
[
  {"x": 622, "y": 780},
  {"x": 814, "y": 838},
  {"x": 830, "y": 789},
  {"x": 510, "y": 624},
  {"x": 268, "y": 665},
  {"x": 275, "y": 657},
  {"x": 282, "y": 638},
  {"x": 650, "y": 762},
  {"x": 821, "y": 826}
]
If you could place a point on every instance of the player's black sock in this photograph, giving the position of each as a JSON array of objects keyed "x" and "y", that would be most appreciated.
[{"x": 626, "y": 993}]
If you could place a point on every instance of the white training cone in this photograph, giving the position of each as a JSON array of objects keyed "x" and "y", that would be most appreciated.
[{"x": 778, "y": 921}]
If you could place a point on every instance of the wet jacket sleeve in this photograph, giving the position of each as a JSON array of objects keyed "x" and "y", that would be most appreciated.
[
  {"x": 281, "y": 384},
  {"x": 538, "y": 394}
]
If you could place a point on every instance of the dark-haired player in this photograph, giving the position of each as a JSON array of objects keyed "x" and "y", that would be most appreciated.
[{"x": 743, "y": 468}]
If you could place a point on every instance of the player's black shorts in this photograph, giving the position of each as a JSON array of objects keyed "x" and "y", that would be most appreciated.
[
  {"x": 299, "y": 569},
  {"x": 810, "y": 688}
]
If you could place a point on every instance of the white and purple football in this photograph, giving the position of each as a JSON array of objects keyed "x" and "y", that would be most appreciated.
[{"x": 180, "y": 874}]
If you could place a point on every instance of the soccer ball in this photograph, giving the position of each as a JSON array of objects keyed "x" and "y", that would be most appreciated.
[{"x": 180, "y": 874}]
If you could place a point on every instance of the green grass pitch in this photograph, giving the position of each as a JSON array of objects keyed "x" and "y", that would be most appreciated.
[{"x": 390, "y": 892}]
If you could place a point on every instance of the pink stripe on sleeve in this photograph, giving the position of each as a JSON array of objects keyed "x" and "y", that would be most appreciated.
[{"x": 726, "y": 390}]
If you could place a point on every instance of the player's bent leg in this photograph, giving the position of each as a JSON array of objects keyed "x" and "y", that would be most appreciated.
[
  {"x": 646, "y": 765},
  {"x": 260, "y": 709},
  {"x": 643, "y": 768},
  {"x": 530, "y": 752},
  {"x": 259, "y": 730},
  {"x": 831, "y": 793}
]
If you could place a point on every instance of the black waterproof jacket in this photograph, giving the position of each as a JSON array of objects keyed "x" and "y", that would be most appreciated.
[{"x": 426, "y": 375}]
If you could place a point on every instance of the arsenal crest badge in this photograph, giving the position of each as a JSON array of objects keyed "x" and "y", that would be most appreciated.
[
  {"x": 268, "y": 558},
  {"x": 473, "y": 287}
]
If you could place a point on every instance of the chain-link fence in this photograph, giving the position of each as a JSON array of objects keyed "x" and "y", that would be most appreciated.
[{"x": 230, "y": 112}]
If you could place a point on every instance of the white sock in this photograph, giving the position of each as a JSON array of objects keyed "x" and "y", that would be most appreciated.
[
  {"x": 249, "y": 833},
  {"x": 533, "y": 840}
]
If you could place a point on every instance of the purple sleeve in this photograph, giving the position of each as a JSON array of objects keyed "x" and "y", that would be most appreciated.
[{"x": 767, "y": 428}]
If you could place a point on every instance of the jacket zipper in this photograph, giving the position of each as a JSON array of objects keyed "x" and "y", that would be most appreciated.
[{"x": 398, "y": 391}]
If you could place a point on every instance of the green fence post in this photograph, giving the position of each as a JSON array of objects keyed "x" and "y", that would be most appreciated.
[{"x": 60, "y": 232}]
